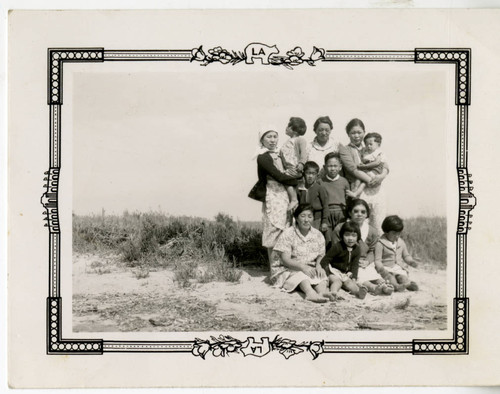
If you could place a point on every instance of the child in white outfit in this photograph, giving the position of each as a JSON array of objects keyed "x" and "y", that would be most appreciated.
[{"x": 372, "y": 162}]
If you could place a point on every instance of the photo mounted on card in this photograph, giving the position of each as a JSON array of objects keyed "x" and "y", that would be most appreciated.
[
  {"x": 166, "y": 240},
  {"x": 264, "y": 198}
]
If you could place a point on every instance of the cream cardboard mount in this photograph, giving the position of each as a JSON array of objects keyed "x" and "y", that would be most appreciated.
[{"x": 208, "y": 352}]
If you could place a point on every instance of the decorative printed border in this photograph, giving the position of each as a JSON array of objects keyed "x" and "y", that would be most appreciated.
[{"x": 224, "y": 345}]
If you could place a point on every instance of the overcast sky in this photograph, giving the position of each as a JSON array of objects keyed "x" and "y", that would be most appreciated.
[{"x": 182, "y": 142}]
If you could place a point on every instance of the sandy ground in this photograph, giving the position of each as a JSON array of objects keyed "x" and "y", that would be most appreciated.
[{"x": 107, "y": 296}]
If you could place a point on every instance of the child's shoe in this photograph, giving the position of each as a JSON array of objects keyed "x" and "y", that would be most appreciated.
[
  {"x": 401, "y": 287},
  {"x": 412, "y": 286}
]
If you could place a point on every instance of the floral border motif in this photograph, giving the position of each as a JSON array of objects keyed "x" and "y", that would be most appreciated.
[
  {"x": 225, "y": 345},
  {"x": 292, "y": 58}
]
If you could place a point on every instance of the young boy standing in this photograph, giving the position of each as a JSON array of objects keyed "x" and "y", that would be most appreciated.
[
  {"x": 313, "y": 192},
  {"x": 336, "y": 188}
]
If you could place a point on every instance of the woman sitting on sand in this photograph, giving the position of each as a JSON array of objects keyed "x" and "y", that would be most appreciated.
[{"x": 301, "y": 248}]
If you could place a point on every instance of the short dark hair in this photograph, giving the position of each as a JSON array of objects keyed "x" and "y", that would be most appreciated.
[
  {"x": 376, "y": 136},
  {"x": 355, "y": 203},
  {"x": 323, "y": 119},
  {"x": 354, "y": 122},
  {"x": 298, "y": 125},
  {"x": 301, "y": 208},
  {"x": 311, "y": 165},
  {"x": 332, "y": 155},
  {"x": 350, "y": 227},
  {"x": 392, "y": 223}
]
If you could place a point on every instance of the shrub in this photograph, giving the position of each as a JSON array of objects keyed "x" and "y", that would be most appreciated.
[
  {"x": 156, "y": 240},
  {"x": 426, "y": 239}
]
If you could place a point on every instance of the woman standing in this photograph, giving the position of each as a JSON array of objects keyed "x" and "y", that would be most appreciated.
[
  {"x": 275, "y": 215},
  {"x": 322, "y": 143},
  {"x": 350, "y": 156}
]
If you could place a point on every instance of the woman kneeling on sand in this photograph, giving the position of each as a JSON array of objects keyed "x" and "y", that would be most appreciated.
[{"x": 301, "y": 248}]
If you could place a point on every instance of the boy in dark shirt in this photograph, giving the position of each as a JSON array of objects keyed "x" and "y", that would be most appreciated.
[
  {"x": 314, "y": 193},
  {"x": 336, "y": 187}
]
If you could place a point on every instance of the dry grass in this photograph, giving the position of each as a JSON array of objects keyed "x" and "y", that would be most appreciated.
[
  {"x": 426, "y": 239},
  {"x": 196, "y": 248},
  {"x": 211, "y": 250}
]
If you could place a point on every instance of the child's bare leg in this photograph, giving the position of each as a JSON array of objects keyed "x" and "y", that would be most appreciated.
[
  {"x": 322, "y": 289},
  {"x": 335, "y": 285},
  {"x": 310, "y": 293},
  {"x": 351, "y": 286},
  {"x": 392, "y": 280},
  {"x": 357, "y": 189},
  {"x": 405, "y": 281},
  {"x": 372, "y": 288},
  {"x": 292, "y": 197},
  {"x": 402, "y": 279}
]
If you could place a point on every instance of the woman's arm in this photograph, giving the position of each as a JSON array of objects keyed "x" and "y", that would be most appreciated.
[
  {"x": 377, "y": 179},
  {"x": 265, "y": 162},
  {"x": 296, "y": 265},
  {"x": 350, "y": 166},
  {"x": 371, "y": 165}
]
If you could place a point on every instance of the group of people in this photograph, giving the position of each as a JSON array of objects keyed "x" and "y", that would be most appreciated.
[{"x": 322, "y": 209}]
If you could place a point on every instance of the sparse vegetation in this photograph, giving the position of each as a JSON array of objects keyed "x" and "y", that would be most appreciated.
[
  {"x": 196, "y": 248},
  {"x": 426, "y": 239},
  {"x": 156, "y": 240},
  {"x": 160, "y": 251}
]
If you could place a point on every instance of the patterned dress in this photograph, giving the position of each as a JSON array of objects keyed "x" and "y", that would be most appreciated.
[
  {"x": 305, "y": 249},
  {"x": 275, "y": 216}
]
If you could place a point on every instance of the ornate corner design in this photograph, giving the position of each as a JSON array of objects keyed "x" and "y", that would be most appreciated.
[
  {"x": 57, "y": 345},
  {"x": 55, "y": 70},
  {"x": 461, "y": 59},
  {"x": 459, "y": 343}
]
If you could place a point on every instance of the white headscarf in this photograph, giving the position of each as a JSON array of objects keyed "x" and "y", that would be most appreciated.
[{"x": 260, "y": 147}]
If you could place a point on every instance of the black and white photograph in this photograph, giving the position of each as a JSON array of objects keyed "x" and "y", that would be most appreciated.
[
  {"x": 245, "y": 188},
  {"x": 166, "y": 238}
]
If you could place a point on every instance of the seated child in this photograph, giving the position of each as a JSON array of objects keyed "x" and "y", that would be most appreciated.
[
  {"x": 294, "y": 155},
  {"x": 392, "y": 257},
  {"x": 372, "y": 163},
  {"x": 313, "y": 192},
  {"x": 336, "y": 188},
  {"x": 342, "y": 260}
]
